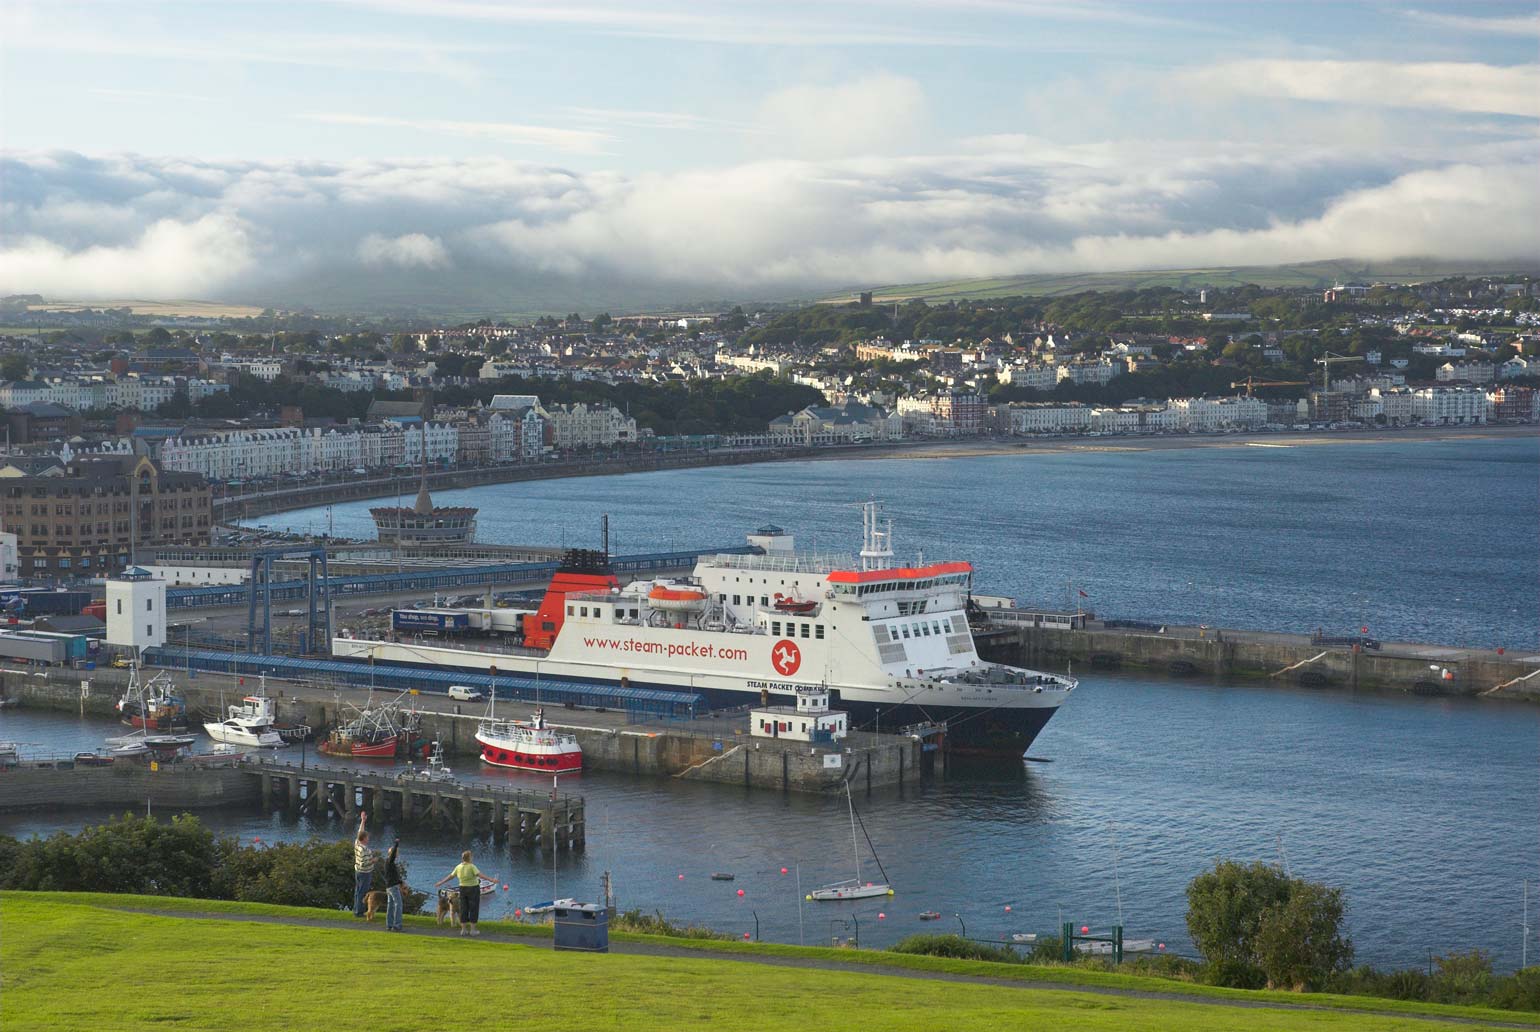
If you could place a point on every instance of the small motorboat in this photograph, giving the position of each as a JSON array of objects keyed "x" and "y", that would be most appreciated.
[
  {"x": 549, "y": 905},
  {"x": 1023, "y": 937},
  {"x": 930, "y": 915},
  {"x": 721, "y": 876},
  {"x": 236, "y": 731},
  {"x": 434, "y": 771},
  {"x": 249, "y": 724},
  {"x": 1099, "y": 948}
]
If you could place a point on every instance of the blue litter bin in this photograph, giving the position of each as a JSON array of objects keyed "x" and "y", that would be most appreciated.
[{"x": 584, "y": 927}]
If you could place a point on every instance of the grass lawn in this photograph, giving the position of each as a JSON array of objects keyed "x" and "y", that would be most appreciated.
[{"x": 75, "y": 962}]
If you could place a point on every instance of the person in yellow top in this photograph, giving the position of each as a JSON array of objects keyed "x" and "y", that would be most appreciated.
[{"x": 469, "y": 878}]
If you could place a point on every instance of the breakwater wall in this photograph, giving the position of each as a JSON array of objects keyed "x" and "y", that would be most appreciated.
[
  {"x": 247, "y": 506},
  {"x": 1220, "y": 654},
  {"x": 63, "y": 784}
]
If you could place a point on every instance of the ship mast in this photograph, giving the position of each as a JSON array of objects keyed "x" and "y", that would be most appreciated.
[{"x": 876, "y": 540}]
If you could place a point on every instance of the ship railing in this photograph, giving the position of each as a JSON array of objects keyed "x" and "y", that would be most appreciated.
[{"x": 821, "y": 564}]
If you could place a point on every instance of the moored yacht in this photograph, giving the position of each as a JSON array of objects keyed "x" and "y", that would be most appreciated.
[{"x": 249, "y": 724}]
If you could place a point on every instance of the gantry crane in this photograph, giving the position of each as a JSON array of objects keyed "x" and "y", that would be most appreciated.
[{"x": 1252, "y": 381}]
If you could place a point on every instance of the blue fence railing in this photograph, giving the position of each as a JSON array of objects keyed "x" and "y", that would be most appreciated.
[
  {"x": 429, "y": 580},
  {"x": 651, "y": 702}
]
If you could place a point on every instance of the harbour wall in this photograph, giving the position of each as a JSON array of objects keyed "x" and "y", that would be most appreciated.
[
  {"x": 126, "y": 783},
  {"x": 1221, "y": 654},
  {"x": 248, "y": 506}
]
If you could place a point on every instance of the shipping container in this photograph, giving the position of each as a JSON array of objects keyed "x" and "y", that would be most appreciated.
[
  {"x": 46, "y": 600},
  {"x": 442, "y": 621},
  {"x": 76, "y": 646},
  {"x": 32, "y": 647}
]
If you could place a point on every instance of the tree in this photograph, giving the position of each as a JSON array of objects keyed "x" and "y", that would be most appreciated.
[
  {"x": 14, "y": 367},
  {"x": 1299, "y": 943},
  {"x": 1255, "y": 926}
]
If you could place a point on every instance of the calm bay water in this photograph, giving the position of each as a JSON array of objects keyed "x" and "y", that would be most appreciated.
[
  {"x": 1426, "y": 812},
  {"x": 1423, "y": 811},
  {"x": 1420, "y": 541}
]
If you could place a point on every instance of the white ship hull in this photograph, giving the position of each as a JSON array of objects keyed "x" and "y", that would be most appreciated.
[
  {"x": 231, "y": 733},
  {"x": 892, "y": 645}
]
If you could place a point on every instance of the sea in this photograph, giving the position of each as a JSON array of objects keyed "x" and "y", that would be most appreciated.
[{"x": 1425, "y": 812}]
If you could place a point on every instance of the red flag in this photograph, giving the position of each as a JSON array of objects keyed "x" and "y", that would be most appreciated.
[{"x": 1083, "y": 594}]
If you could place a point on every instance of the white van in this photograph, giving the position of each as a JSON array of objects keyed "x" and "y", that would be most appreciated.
[{"x": 464, "y": 693}]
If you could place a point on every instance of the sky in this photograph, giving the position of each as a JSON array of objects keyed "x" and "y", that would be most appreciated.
[{"x": 246, "y": 149}]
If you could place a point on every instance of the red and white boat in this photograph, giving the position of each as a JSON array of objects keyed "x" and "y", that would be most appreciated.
[{"x": 531, "y": 746}]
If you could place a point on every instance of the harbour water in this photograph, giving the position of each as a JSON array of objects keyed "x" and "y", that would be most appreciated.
[
  {"x": 1422, "y": 810},
  {"x": 1419, "y": 541}
]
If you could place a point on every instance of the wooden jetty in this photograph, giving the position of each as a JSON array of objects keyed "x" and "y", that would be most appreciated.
[{"x": 527, "y": 818}]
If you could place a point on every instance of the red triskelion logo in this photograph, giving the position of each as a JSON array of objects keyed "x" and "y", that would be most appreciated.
[{"x": 786, "y": 657}]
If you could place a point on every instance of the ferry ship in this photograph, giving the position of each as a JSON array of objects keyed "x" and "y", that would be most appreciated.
[{"x": 891, "y": 643}]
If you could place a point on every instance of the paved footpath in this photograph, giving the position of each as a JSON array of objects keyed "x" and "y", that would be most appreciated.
[{"x": 682, "y": 952}]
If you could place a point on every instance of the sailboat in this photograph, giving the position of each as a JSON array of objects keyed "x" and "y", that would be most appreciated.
[{"x": 855, "y": 888}]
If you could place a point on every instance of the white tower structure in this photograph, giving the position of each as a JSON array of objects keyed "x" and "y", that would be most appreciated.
[
  {"x": 876, "y": 540},
  {"x": 136, "y": 610}
]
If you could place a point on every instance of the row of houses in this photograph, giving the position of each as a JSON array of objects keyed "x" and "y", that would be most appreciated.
[
  {"x": 514, "y": 428},
  {"x": 144, "y": 393}
]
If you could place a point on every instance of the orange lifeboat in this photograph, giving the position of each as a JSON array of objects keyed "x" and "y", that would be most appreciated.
[{"x": 670, "y": 599}]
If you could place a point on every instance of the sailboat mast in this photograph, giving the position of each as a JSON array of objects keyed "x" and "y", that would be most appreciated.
[{"x": 855, "y": 847}]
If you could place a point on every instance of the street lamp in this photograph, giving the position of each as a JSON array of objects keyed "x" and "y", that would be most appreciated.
[{"x": 961, "y": 925}]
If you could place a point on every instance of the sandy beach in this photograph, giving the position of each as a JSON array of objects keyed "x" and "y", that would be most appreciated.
[{"x": 1171, "y": 442}]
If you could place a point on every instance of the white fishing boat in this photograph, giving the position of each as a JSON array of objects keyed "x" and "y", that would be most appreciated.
[
  {"x": 855, "y": 888},
  {"x": 435, "y": 770},
  {"x": 549, "y": 905},
  {"x": 250, "y": 724}
]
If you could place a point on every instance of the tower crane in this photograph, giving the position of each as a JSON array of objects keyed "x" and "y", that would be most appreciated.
[
  {"x": 1252, "y": 381},
  {"x": 1326, "y": 363}
]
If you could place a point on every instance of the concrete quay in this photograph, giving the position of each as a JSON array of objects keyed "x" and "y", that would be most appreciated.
[
  {"x": 712, "y": 748},
  {"x": 59, "y": 783},
  {"x": 1224, "y": 653}
]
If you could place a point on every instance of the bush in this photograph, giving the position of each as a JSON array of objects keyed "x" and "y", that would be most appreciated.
[
  {"x": 1406, "y": 984},
  {"x": 1462, "y": 977},
  {"x": 181, "y": 857},
  {"x": 656, "y": 924},
  {"x": 1256, "y": 926},
  {"x": 1518, "y": 991},
  {"x": 957, "y": 947},
  {"x": 1048, "y": 949},
  {"x": 129, "y": 854}
]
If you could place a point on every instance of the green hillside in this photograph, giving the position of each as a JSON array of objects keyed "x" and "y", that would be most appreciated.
[
  {"x": 1307, "y": 274},
  {"x": 126, "y": 962}
]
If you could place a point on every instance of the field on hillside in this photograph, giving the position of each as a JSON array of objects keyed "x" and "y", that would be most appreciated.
[
  {"x": 167, "y": 309},
  {"x": 1308, "y": 274},
  {"x": 81, "y": 962}
]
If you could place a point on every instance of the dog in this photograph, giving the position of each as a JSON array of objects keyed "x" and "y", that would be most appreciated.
[
  {"x": 374, "y": 902},
  {"x": 448, "y": 906}
]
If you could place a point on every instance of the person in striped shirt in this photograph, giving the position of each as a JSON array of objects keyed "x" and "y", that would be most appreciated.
[{"x": 364, "y": 860}]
